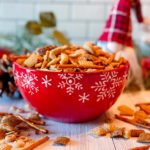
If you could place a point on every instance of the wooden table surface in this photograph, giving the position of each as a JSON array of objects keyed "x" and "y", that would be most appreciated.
[{"x": 80, "y": 133}]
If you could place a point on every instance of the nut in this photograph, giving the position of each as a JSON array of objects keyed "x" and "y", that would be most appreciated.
[
  {"x": 19, "y": 143},
  {"x": 10, "y": 138}
]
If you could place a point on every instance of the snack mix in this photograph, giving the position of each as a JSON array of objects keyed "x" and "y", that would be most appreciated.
[{"x": 73, "y": 58}]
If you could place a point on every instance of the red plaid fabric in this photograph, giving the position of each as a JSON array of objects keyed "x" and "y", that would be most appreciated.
[{"x": 118, "y": 27}]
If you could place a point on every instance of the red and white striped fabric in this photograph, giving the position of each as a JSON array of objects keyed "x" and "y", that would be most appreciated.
[{"x": 118, "y": 27}]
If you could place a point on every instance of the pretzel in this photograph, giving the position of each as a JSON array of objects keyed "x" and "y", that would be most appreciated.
[
  {"x": 53, "y": 62},
  {"x": 36, "y": 143},
  {"x": 146, "y": 103},
  {"x": 40, "y": 58},
  {"x": 132, "y": 122},
  {"x": 46, "y": 56},
  {"x": 56, "y": 51},
  {"x": 145, "y": 108},
  {"x": 38, "y": 65},
  {"x": 141, "y": 148},
  {"x": 44, "y": 64},
  {"x": 15, "y": 57},
  {"x": 80, "y": 66},
  {"x": 72, "y": 60},
  {"x": 38, "y": 122},
  {"x": 31, "y": 124},
  {"x": 4, "y": 114},
  {"x": 78, "y": 53}
]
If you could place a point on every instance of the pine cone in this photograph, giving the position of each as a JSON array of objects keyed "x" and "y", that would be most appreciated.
[{"x": 7, "y": 83}]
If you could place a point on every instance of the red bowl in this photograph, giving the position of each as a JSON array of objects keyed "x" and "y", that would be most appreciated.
[{"x": 70, "y": 97}]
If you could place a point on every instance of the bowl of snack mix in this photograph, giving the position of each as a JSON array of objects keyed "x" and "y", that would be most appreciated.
[{"x": 71, "y": 83}]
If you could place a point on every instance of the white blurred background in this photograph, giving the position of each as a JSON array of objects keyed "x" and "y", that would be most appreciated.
[{"x": 80, "y": 20}]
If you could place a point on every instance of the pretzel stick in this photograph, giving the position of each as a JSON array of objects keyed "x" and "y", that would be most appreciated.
[
  {"x": 15, "y": 57},
  {"x": 32, "y": 124},
  {"x": 11, "y": 132},
  {"x": 4, "y": 114},
  {"x": 131, "y": 122},
  {"x": 141, "y": 148},
  {"x": 80, "y": 66},
  {"x": 142, "y": 107},
  {"x": 37, "y": 143},
  {"x": 38, "y": 122},
  {"x": 146, "y": 103}
]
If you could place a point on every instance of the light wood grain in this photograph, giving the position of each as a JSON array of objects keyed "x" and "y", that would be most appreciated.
[{"x": 79, "y": 133}]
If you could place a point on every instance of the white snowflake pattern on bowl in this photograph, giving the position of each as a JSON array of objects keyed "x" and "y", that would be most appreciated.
[
  {"x": 70, "y": 82},
  {"x": 84, "y": 97},
  {"x": 46, "y": 81},
  {"x": 102, "y": 88},
  {"x": 28, "y": 81}
]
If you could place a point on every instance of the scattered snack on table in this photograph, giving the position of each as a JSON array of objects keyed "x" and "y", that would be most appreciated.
[
  {"x": 73, "y": 58},
  {"x": 2, "y": 133},
  {"x": 141, "y": 148},
  {"x": 16, "y": 131},
  {"x": 11, "y": 137},
  {"x": 125, "y": 110},
  {"x": 5, "y": 146},
  {"x": 32, "y": 125},
  {"x": 145, "y": 108},
  {"x": 33, "y": 116},
  {"x": 37, "y": 143},
  {"x": 17, "y": 110},
  {"x": 140, "y": 118},
  {"x": 136, "y": 133},
  {"x": 119, "y": 132},
  {"x": 19, "y": 143},
  {"x": 132, "y": 121},
  {"x": 62, "y": 141},
  {"x": 99, "y": 131},
  {"x": 140, "y": 115},
  {"x": 144, "y": 138}
]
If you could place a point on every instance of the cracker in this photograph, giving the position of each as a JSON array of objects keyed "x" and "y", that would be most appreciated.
[
  {"x": 119, "y": 132},
  {"x": 31, "y": 61},
  {"x": 145, "y": 108},
  {"x": 125, "y": 110},
  {"x": 144, "y": 138},
  {"x": 56, "y": 51},
  {"x": 85, "y": 63},
  {"x": 135, "y": 132},
  {"x": 62, "y": 141},
  {"x": 140, "y": 115},
  {"x": 99, "y": 131}
]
